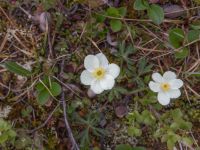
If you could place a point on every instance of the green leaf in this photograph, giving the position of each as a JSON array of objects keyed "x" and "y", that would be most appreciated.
[
  {"x": 39, "y": 86},
  {"x": 170, "y": 144},
  {"x": 27, "y": 111},
  {"x": 116, "y": 25},
  {"x": 156, "y": 13},
  {"x": 195, "y": 25},
  {"x": 133, "y": 131},
  {"x": 123, "y": 147},
  {"x": 43, "y": 97},
  {"x": 174, "y": 126},
  {"x": 172, "y": 138},
  {"x": 3, "y": 138},
  {"x": 176, "y": 114},
  {"x": 100, "y": 18},
  {"x": 122, "y": 11},
  {"x": 187, "y": 141},
  {"x": 185, "y": 125},
  {"x": 55, "y": 89},
  {"x": 141, "y": 5},
  {"x": 17, "y": 69},
  {"x": 193, "y": 35},
  {"x": 176, "y": 37},
  {"x": 148, "y": 118},
  {"x": 11, "y": 133},
  {"x": 183, "y": 53},
  {"x": 195, "y": 74},
  {"x": 113, "y": 12}
]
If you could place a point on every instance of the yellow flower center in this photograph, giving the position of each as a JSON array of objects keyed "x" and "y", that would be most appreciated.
[
  {"x": 165, "y": 87},
  {"x": 99, "y": 73}
]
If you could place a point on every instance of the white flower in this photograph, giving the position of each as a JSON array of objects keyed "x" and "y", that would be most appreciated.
[
  {"x": 167, "y": 86},
  {"x": 99, "y": 74}
]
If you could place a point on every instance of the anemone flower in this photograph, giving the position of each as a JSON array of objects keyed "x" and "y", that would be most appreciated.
[
  {"x": 99, "y": 74},
  {"x": 167, "y": 86}
]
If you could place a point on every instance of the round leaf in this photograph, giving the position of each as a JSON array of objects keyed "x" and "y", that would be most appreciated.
[
  {"x": 182, "y": 53},
  {"x": 55, "y": 89},
  {"x": 176, "y": 37},
  {"x": 116, "y": 25},
  {"x": 43, "y": 97},
  {"x": 141, "y": 5},
  {"x": 122, "y": 11},
  {"x": 112, "y": 12},
  {"x": 156, "y": 14},
  {"x": 193, "y": 35}
]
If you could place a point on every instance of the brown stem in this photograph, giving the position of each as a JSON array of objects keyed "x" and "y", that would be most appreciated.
[{"x": 73, "y": 141}]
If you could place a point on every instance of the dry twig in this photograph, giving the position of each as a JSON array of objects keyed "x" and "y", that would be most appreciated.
[{"x": 73, "y": 141}]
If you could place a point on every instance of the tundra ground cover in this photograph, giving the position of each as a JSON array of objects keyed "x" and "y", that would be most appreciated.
[{"x": 100, "y": 75}]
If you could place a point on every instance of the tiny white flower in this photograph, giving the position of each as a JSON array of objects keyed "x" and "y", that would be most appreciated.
[
  {"x": 99, "y": 74},
  {"x": 167, "y": 86}
]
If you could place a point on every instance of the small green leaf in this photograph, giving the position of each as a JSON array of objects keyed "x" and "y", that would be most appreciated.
[
  {"x": 193, "y": 35},
  {"x": 195, "y": 74},
  {"x": 133, "y": 131},
  {"x": 116, "y": 25},
  {"x": 43, "y": 97},
  {"x": 100, "y": 18},
  {"x": 122, "y": 11},
  {"x": 170, "y": 144},
  {"x": 112, "y": 12},
  {"x": 141, "y": 5},
  {"x": 3, "y": 138},
  {"x": 123, "y": 147},
  {"x": 185, "y": 125},
  {"x": 17, "y": 69},
  {"x": 172, "y": 138},
  {"x": 55, "y": 89},
  {"x": 195, "y": 25},
  {"x": 156, "y": 13},
  {"x": 11, "y": 133},
  {"x": 187, "y": 141},
  {"x": 176, "y": 37},
  {"x": 176, "y": 114},
  {"x": 174, "y": 126},
  {"x": 39, "y": 86},
  {"x": 182, "y": 53}
]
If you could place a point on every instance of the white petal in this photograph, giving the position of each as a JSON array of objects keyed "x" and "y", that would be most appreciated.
[
  {"x": 169, "y": 75},
  {"x": 157, "y": 77},
  {"x": 176, "y": 83},
  {"x": 113, "y": 70},
  {"x": 163, "y": 98},
  {"x": 91, "y": 62},
  {"x": 96, "y": 87},
  {"x": 102, "y": 60},
  {"x": 86, "y": 77},
  {"x": 108, "y": 82},
  {"x": 155, "y": 87},
  {"x": 174, "y": 93}
]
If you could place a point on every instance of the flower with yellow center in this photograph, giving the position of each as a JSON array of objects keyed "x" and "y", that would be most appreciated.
[
  {"x": 99, "y": 74},
  {"x": 167, "y": 86}
]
